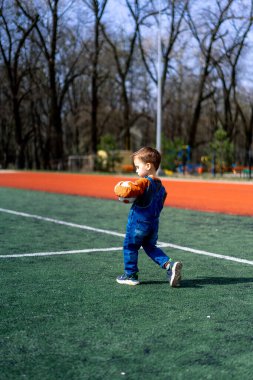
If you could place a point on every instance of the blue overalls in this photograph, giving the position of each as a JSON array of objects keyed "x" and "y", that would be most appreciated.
[{"x": 142, "y": 227}]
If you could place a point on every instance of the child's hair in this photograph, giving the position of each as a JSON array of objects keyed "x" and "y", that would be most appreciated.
[{"x": 148, "y": 155}]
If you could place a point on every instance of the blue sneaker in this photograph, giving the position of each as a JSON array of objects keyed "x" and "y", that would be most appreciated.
[
  {"x": 174, "y": 274},
  {"x": 125, "y": 279}
]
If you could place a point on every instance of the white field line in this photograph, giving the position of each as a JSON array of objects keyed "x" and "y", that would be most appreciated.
[
  {"x": 109, "y": 232},
  {"x": 57, "y": 221},
  {"x": 205, "y": 253},
  {"x": 61, "y": 252}
]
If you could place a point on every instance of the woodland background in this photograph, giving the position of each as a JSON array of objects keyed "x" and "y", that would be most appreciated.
[{"x": 81, "y": 75}]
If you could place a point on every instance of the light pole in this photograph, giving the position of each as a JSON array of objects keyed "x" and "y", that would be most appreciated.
[{"x": 159, "y": 84}]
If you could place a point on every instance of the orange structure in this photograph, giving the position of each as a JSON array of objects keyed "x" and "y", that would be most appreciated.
[{"x": 215, "y": 196}]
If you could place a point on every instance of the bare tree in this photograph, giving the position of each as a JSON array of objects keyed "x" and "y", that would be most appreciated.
[
  {"x": 227, "y": 65},
  {"x": 97, "y": 8},
  {"x": 49, "y": 34},
  {"x": 207, "y": 31},
  {"x": 68, "y": 78},
  {"x": 6, "y": 121},
  {"x": 123, "y": 53},
  {"x": 246, "y": 114},
  {"x": 14, "y": 34},
  {"x": 173, "y": 12}
]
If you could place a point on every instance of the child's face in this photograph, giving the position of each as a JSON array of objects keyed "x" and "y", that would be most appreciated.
[{"x": 142, "y": 169}]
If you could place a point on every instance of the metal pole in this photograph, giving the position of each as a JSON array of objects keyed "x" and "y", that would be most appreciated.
[{"x": 159, "y": 85}]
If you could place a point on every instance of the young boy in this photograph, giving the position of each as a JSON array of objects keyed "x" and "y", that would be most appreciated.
[{"x": 143, "y": 218}]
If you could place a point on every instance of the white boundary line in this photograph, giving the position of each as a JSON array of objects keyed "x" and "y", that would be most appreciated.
[
  {"x": 113, "y": 233},
  {"x": 205, "y": 253},
  {"x": 61, "y": 252},
  {"x": 57, "y": 221}
]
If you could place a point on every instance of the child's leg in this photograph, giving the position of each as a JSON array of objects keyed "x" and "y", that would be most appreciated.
[
  {"x": 130, "y": 253},
  {"x": 130, "y": 259},
  {"x": 173, "y": 268},
  {"x": 132, "y": 243},
  {"x": 157, "y": 255}
]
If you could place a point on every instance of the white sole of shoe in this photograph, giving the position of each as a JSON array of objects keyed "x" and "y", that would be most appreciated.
[
  {"x": 127, "y": 282},
  {"x": 176, "y": 274}
]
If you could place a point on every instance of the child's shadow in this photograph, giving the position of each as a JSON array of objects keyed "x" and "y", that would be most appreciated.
[
  {"x": 204, "y": 281},
  {"x": 200, "y": 282}
]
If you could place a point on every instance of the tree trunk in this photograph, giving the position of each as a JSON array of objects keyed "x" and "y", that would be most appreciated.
[{"x": 126, "y": 124}]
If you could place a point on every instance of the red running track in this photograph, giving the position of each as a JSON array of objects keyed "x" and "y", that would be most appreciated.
[{"x": 223, "y": 197}]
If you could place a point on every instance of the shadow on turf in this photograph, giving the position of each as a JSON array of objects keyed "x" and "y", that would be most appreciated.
[{"x": 200, "y": 282}]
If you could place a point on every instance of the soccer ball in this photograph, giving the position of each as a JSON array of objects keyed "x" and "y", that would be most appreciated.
[{"x": 127, "y": 200}]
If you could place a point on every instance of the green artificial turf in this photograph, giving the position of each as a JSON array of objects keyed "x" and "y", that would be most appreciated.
[{"x": 65, "y": 317}]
